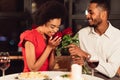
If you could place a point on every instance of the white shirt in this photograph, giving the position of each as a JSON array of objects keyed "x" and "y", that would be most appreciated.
[{"x": 106, "y": 46}]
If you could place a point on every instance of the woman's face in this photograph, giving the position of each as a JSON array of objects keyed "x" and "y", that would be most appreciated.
[{"x": 52, "y": 26}]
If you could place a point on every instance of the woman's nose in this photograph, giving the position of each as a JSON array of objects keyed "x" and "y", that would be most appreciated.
[{"x": 56, "y": 30}]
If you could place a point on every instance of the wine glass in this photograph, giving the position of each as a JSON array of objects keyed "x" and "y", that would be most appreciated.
[
  {"x": 4, "y": 62},
  {"x": 93, "y": 62}
]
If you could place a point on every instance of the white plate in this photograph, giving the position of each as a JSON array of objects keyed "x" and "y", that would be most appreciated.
[
  {"x": 33, "y": 76},
  {"x": 55, "y": 75}
]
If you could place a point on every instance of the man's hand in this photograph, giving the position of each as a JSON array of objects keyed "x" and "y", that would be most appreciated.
[
  {"x": 77, "y": 54},
  {"x": 75, "y": 50}
]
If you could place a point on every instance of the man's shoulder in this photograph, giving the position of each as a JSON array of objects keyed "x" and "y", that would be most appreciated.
[{"x": 115, "y": 30}]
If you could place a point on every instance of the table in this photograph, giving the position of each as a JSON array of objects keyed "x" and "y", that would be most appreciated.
[
  {"x": 51, "y": 74},
  {"x": 64, "y": 64},
  {"x": 106, "y": 78},
  {"x": 58, "y": 73}
]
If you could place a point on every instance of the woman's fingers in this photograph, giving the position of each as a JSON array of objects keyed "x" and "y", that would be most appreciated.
[{"x": 53, "y": 42}]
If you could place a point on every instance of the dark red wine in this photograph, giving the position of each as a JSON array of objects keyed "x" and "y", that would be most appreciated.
[
  {"x": 4, "y": 65},
  {"x": 93, "y": 64}
]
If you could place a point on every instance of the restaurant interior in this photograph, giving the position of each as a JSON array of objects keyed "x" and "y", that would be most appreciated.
[{"x": 15, "y": 17}]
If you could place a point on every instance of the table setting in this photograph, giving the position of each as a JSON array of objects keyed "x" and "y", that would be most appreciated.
[
  {"x": 4, "y": 62},
  {"x": 46, "y": 75},
  {"x": 74, "y": 74}
]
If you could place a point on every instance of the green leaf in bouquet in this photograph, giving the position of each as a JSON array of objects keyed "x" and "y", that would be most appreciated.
[
  {"x": 85, "y": 69},
  {"x": 68, "y": 39},
  {"x": 75, "y": 36}
]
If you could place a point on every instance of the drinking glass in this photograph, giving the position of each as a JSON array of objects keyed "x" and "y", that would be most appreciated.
[
  {"x": 93, "y": 62},
  {"x": 4, "y": 62}
]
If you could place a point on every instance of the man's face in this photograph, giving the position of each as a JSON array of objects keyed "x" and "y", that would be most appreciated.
[{"x": 94, "y": 15}]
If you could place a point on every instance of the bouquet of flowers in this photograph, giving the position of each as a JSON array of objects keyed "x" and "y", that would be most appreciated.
[{"x": 67, "y": 38}]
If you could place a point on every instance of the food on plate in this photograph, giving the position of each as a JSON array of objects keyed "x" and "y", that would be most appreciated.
[
  {"x": 35, "y": 75},
  {"x": 64, "y": 77}
]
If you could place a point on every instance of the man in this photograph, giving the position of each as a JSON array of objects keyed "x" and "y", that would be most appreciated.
[{"x": 99, "y": 38}]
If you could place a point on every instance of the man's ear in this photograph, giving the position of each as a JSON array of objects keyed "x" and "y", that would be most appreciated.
[{"x": 104, "y": 15}]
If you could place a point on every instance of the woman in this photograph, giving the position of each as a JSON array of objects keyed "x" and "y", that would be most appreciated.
[{"x": 37, "y": 44}]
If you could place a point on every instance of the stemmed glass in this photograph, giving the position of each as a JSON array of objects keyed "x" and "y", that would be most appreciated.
[
  {"x": 4, "y": 62},
  {"x": 93, "y": 62}
]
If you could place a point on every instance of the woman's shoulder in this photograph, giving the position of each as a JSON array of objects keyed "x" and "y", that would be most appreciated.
[{"x": 28, "y": 34}]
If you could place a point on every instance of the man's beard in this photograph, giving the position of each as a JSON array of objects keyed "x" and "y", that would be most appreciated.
[{"x": 94, "y": 26}]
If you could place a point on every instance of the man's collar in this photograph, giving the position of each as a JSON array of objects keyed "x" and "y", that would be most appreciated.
[{"x": 107, "y": 32}]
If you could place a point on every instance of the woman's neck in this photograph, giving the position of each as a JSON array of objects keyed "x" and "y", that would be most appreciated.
[{"x": 41, "y": 31}]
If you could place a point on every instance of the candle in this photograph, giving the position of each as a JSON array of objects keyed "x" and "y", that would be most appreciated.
[{"x": 76, "y": 72}]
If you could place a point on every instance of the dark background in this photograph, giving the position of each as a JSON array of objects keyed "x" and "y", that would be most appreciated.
[{"x": 15, "y": 17}]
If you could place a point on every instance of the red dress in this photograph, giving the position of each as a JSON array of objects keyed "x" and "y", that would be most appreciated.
[{"x": 38, "y": 41}]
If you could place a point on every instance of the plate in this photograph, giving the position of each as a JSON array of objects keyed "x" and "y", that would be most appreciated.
[
  {"x": 58, "y": 74},
  {"x": 66, "y": 76},
  {"x": 40, "y": 75},
  {"x": 32, "y": 76}
]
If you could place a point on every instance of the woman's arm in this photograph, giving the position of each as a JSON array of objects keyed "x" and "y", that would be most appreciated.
[
  {"x": 56, "y": 42},
  {"x": 30, "y": 56},
  {"x": 52, "y": 60},
  {"x": 30, "y": 53}
]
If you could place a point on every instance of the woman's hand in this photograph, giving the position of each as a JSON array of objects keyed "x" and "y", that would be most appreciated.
[{"x": 54, "y": 42}]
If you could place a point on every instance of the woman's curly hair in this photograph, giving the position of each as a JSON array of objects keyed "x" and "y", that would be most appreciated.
[{"x": 49, "y": 10}]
